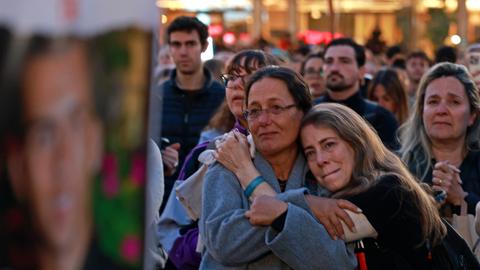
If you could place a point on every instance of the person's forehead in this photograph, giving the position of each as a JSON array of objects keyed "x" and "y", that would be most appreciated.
[
  {"x": 55, "y": 78},
  {"x": 324, "y": 131},
  {"x": 417, "y": 59},
  {"x": 187, "y": 35},
  {"x": 269, "y": 89},
  {"x": 340, "y": 51},
  {"x": 379, "y": 89},
  {"x": 314, "y": 61},
  {"x": 445, "y": 86}
]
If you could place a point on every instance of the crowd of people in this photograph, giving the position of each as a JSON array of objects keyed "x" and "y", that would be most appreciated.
[
  {"x": 351, "y": 149},
  {"x": 336, "y": 157}
]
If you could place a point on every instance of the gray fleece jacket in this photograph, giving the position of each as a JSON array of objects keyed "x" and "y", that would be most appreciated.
[{"x": 233, "y": 243}]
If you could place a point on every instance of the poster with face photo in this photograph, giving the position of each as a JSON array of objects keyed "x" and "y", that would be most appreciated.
[{"x": 73, "y": 148}]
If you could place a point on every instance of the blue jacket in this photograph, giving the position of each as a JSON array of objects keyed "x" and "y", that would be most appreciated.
[
  {"x": 186, "y": 113},
  {"x": 233, "y": 243}
]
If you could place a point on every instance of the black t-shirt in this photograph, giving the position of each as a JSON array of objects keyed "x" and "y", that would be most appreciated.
[{"x": 390, "y": 210}]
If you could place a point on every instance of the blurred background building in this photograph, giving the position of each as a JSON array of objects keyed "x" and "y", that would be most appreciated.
[{"x": 425, "y": 24}]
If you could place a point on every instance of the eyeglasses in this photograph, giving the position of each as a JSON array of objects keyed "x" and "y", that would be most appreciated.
[
  {"x": 232, "y": 77},
  {"x": 274, "y": 110},
  {"x": 314, "y": 72}
]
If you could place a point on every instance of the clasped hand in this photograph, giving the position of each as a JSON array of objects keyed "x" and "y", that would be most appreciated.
[{"x": 447, "y": 177}]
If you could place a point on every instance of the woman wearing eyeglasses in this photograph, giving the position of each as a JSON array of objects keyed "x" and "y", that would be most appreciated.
[
  {"x": 177, "y": 233},
  {"x": 276, "y": 100},
  {"x": 312, "y": 70}
]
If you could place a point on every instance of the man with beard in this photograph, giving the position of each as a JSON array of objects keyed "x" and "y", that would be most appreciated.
[
  {"x": 190, "y": 96},
  {"x": 344, "y": 69}
]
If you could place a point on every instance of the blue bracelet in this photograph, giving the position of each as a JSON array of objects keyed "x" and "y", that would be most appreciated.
[{"x": 253, "y": 185}]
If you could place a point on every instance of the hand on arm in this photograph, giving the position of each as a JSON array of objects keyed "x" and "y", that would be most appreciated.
[
  {"x": 233, "y": 153},
  {"x": 264, "y": 210},
  {"x": 331, "y": 213},
  {"x": 170, "y": 158}
]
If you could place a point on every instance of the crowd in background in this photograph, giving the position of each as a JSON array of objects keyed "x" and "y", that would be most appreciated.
[
  {"x": 307, "y": 157},
  {"x": 403, "y": 146}
]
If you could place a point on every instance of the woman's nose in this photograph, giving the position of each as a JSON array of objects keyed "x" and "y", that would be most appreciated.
[
  {"x": 441, "y": 108},
  {"x": 322, "y": 158},
  {"x": 236, "y": 84},
  {"x": 264, "y": 117}
]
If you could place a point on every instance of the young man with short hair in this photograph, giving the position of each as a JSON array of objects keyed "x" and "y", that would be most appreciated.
[{"x": 190, "y": 95}]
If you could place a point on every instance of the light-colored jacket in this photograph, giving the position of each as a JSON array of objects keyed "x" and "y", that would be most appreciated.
[
  {"x": 152, "y": 255},
  {"x": 233, "y": 243}
]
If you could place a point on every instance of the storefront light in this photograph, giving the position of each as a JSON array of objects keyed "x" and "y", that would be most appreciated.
[
  {"x": 204, "y": 18},
  {"x": 204, "y": 5},
  {"x": 215, "y": 30},
  {"x": 229, "y": 38},
  {"x": 473, "y": 5},
  {"x": 316, "y": 14},
  {"x": 455, "y": 39},
  {"x": 433, "y": 4},
  {"x": 208, "y": 53},
  {"x": 451, "y": 5}
]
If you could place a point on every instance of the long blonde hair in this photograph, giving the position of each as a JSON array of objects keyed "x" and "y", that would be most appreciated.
[
  {"x": 372, "y": 161},
  {"x": 413, "y": 135}
]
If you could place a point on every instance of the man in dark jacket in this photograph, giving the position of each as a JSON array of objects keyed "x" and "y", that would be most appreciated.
[
  {"x": 344, "y": 69},
  {"x": 190, "y": 96}
]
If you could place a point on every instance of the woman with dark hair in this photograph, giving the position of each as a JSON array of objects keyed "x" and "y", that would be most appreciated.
[
  {"x": 177, "y": 232},
  {"x": 312, "y": 70},
  {"x": 276, "y": 100},
  {"x": 387, "y": 90},
  {"x": 441, "y": 139}
]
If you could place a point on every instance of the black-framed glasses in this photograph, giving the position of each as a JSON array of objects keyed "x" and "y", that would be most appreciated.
[
  {"x": 313, "y": 72},
  {"x": 232, "y": 77},
  {"x": 253, "y": 114}
]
